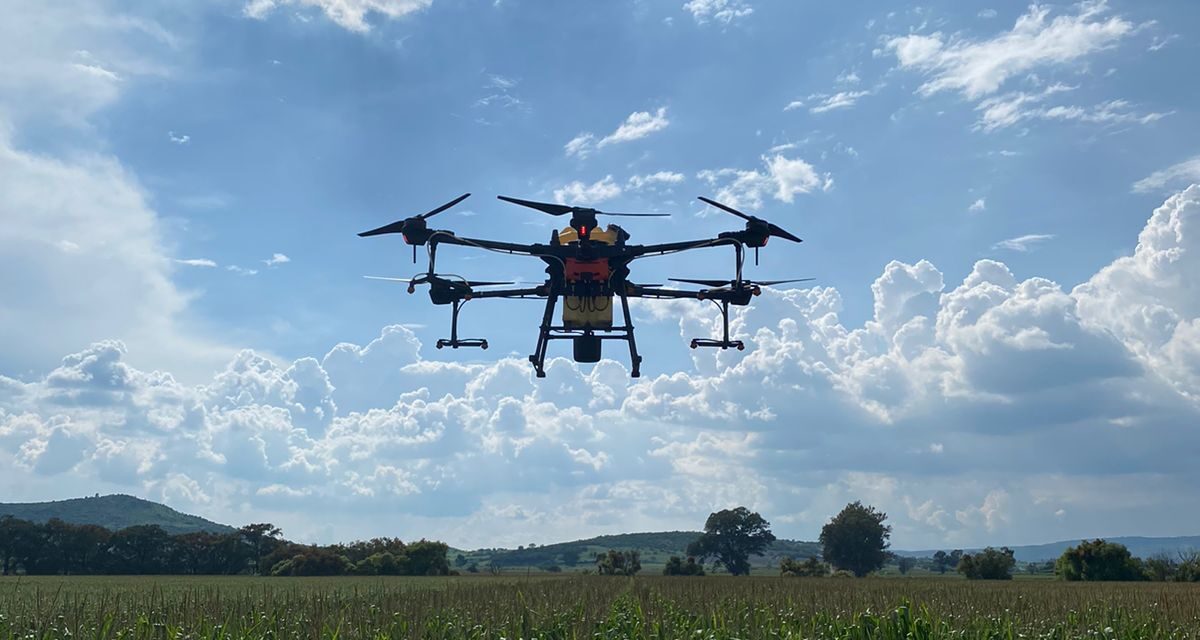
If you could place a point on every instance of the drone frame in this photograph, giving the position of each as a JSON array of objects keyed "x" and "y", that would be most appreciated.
[{"x": 616, "y": 255}]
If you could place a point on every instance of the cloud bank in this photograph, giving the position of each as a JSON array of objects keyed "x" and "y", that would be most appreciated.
[{"x": 967, "y": 411}]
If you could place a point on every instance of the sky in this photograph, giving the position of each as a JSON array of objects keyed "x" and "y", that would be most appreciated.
[{"x": 1001, "y": 344}]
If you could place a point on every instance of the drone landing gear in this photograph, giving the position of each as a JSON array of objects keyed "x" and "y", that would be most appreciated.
[
  {"x": 724, "y": 342},
  {"x": 586, "y": 343},
  {"x": 454, "y": 342}
]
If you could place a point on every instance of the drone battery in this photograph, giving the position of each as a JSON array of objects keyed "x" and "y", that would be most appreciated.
[
  {"x": 588, "y": 311},
  {"x": 587, "y": 348}
]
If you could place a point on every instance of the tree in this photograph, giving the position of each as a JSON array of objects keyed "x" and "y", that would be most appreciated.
[
  {"x": 619, "y": 563},
  {"x": 677, "y": 567},
  {"x": 989, "y": 564},
  {"x": 941, "y": 561},
  {"x": 810, "y": 568},
  {"x": 905, "y": 564},
  {"x": 1098, "y": 560},
  {"x": 856, "y": 539},
  {"x": 263, "y": 538},
  {"x": 732, "y": 536}
]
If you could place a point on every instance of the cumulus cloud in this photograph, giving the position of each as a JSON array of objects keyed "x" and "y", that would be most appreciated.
[
  {"x": 579, "y": 193},
  {"x": 276, "y": 259},
  {"x": 782, "y": 179},
  {"x": 722, "y": 11},
  {"x": 965, "y": 377},
  {"x": 978, "y": 205},
  {"x": 349, "y": 14}
]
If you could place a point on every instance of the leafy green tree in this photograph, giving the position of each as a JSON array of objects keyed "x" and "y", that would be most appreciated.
[
  {"x": 810, "y": 568},
  {"x": 1098, "y": 560},
  {"x": 905, "y": 564},
  {"x": 428, "y": 558},
  {"x": 141, "y": 549},
  {"x": 732, "y": 536},
  {"x": 941, "y": 561},
  {"x": 989, "y": 564},
  {"x": 619, "y": 563},
  {"x": 263, "y": 538},
  {"x": 856, "y": 539},
  {"x": 677, "y": 567}
]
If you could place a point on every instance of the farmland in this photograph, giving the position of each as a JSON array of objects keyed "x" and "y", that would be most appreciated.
[{"x": 589, "y": 607}]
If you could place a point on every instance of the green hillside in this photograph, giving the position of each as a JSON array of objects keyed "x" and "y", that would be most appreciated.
[
  {"x": 655, "y": 549},
  {"x": 111, "y": 512}
]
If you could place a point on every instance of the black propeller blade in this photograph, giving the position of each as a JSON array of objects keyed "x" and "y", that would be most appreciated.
[
  {"x": 398, "y": 226},
  {"x": 423, "y": 279},
  {"x": 774, "y": 229},
  {"x": 730, "y": 283},
  {"x": 555, "y": 209}
]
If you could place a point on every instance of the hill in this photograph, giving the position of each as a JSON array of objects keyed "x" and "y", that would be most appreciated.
[
  {"x": 1139, "y": 546},
  {"x": 112, "y": 512},
  {"x": 655, "y": 549}
]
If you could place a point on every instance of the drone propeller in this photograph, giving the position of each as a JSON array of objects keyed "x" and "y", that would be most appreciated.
[
  {"x": 427, "y": 279},
  {"x": 562, "y": 209},
  {"x": 730, "y": 283},
  {"x": 772, "y": 228},
  {"x": 399, "y": 225}
]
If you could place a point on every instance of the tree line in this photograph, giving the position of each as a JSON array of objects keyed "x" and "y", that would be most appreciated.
[{"x": 61, "y": 548}]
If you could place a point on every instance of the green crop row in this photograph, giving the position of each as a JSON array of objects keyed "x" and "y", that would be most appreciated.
[{"x": 594, "y": 607}]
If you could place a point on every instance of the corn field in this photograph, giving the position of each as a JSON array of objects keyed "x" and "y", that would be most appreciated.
[{"x": 146, "y": 608}]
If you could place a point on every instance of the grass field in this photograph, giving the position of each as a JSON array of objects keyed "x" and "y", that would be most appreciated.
[{"x": 589, "y": 607}]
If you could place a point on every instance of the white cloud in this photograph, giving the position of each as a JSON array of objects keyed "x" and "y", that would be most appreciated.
[
  {"x": 988, "y": 13},
  {"x": 978, "y": 205},
  {"x": 349, "y": 14},
  {"x": 241, "y": 271},
  {"x": 723, "y": 11},
  {"x": 178, "y": 139},
  {"x": 783, "y": 179},
  {"x": 1183, "y": 173},
  {"x": 276, "y": 259},
  {"x": 638, "y": 125},
  {"x": 581, "y": 194},
  {"x": 1012, "y": 108},
  {"x": 839, "y": 100},
  {"x": 581, "y": 145},
  {"x": 1023, "y": 243},
  {"x": 652, "y": 180},
  {"x": 197, "y": 262},
  {"x": 977, "y": 68}
]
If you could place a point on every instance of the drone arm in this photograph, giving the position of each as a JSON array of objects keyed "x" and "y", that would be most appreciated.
[
  {"x": 662, "y": 294},
  {"x": 534, "y": 292},
  {"x": 446, "y": 237},
  {"x": 644, "y": 251}
]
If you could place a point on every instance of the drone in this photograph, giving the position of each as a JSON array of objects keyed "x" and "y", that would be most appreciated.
[{"x": 587, "y": 268}]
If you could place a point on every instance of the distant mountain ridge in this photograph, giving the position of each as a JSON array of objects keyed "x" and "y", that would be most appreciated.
[
  {"x": 113, "y": 512},
  {"x": 1139, "y": 546}
]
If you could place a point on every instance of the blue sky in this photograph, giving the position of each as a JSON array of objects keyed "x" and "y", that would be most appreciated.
[{"x": 183, "y": 185}]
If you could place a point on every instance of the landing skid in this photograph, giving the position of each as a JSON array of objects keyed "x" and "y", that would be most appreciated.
[
  {"x": 548, "y": 332},
  {"x": 454, "y": 342},
  {"x": 724, "y": 342}
]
